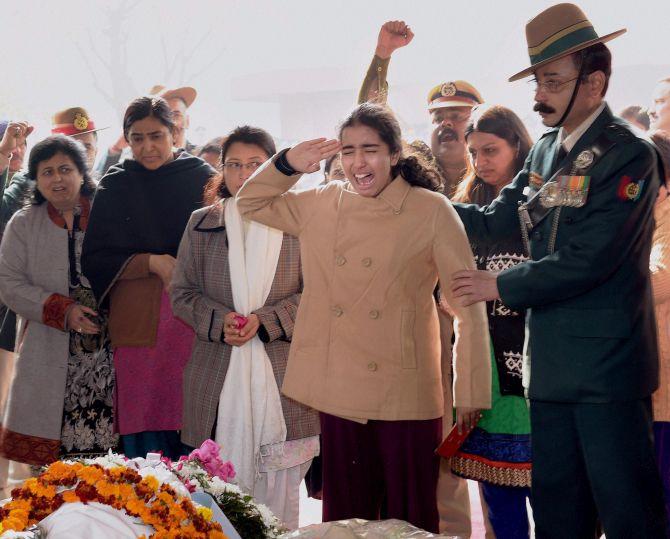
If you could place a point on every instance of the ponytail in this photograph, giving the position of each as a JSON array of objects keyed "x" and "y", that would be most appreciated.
[{"x": 418, "y": 173}]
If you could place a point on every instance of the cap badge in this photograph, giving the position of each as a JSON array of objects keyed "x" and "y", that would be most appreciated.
[
  {"x": 448, "y": 89},
  {"x": 80, "y": 121}
]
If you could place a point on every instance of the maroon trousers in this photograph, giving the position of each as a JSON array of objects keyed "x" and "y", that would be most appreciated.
[{"x": 382, "y": 464}]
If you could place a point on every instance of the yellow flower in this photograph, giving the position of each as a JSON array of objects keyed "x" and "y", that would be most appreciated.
[{"x": 205, "y": 512}]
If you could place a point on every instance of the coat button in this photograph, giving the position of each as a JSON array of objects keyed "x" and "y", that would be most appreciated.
[
  {"x": 372, "y": 366},
  {"x": 537, "y": 235},
  {"x": 367, "y": 262},
  {"x": 337, "y": 311},
  {"x": 374, "y": 314},
  {"x": 340, "y": 260}
]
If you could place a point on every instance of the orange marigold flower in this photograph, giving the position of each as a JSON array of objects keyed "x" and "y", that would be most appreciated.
[
  {"x": 30, "y": 484},
  {"x": 135, "y": 507},
  {"x": 150, "y": 482},
  {"x": 45, "y": 491},
  {"x": 14, "y": 524},
  {"x": 90, "y": 474},
  {"x": 70, "y": 496},
  {"x": 21, "y": 514},
  {"x": 59, "y": 473}
]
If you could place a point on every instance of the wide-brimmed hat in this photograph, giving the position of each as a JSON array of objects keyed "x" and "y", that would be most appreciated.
[
  {"x": 457, "y": 93},
  {"x": 73, "y": 121},
  {"x": 557, "y": 32},
  {"x": 186, "y": 93}
]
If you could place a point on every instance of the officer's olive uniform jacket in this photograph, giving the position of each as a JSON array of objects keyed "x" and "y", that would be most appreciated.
[{"x": 592, "y": 334}]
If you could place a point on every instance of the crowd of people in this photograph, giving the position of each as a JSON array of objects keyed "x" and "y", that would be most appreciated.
[{"x": 512, "y": 292}]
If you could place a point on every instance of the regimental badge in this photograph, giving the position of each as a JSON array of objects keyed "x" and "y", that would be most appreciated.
[
  {"x": 584, "y": 159},
  {"x": 570, "y": 191},
  {"x": 630, "y": 189},
  {"x": 536, "y": 180},
  {"x": 80, "y": 121},
  {"x": 448, "y": 89}
]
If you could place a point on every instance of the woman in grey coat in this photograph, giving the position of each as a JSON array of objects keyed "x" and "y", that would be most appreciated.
[
  {"x": 238, "y": 284},
  {"x": 60, "y": 400}
]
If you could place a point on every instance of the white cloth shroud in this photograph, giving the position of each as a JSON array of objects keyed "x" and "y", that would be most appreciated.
[{"x": 250, "y": 414}]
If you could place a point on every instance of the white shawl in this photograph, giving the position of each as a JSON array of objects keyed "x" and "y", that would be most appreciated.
[{"x": 250, "y": 413}]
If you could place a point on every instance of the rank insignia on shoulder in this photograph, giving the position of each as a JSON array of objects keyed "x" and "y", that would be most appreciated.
[
  {"x": 630, "y": 189},
  {"x": 536, "y": 180}
]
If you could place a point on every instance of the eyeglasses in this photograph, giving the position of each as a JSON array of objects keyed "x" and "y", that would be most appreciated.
[
  {"x": 237, "y": 167},
  {"x": 551, "y": 86},
  {"x": 450, "y": 117}
]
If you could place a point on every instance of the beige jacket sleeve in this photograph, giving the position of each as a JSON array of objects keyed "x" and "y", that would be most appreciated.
[
  {"x": 265, "y": 198},
  {"x": 471, "y": 352}
]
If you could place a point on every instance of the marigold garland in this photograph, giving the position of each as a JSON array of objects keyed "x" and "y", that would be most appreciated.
[{"x": 171, "y": 515}]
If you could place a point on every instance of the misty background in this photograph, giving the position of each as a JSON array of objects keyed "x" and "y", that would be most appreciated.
[{"x": 292, "y": 67}]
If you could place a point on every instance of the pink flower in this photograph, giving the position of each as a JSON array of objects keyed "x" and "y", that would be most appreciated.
[{"x": 209, "y": 455}]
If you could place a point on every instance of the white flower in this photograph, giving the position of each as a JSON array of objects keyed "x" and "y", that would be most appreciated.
[
  {"x": 268, "y": 517},
  {"x": 110, "y": 460}
]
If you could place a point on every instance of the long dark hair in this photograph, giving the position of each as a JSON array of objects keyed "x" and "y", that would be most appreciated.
[
  {"x": 501, "y": 122},
  {"x": 216, "y": 189},
  {"x": 414, "y": 167},
  {"x": 46, "y": 149}
]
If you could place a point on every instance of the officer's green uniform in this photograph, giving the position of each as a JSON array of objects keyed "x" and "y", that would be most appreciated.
[
  {"x": 591, "y": 333},
  {"x": 591, "y": 328}
]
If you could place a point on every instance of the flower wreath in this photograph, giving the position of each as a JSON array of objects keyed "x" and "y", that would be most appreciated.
[
  {"x": 148, "y": 489},
  {"x": 120, "y": 487}
]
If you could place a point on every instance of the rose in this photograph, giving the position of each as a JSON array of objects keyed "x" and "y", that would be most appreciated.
[
  {"x": 241, "y": 321},
  {"x": 209, "y": 455}
]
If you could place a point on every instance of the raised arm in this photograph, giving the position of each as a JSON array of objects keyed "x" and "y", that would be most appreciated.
[
  {"x": 266, "y": 198},
  {"x": 392, "y": 36}
]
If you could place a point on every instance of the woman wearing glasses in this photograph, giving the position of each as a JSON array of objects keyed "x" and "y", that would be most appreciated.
[
  {"x": 238, "y": 284},
  {"x": 142, "y": 207}
]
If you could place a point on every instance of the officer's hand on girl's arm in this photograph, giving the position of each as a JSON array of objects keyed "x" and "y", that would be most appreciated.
[
  {"x": 305, "y": 157},
  {"x": 473, "y": 286},
  {"x": 392, "y": 36}
]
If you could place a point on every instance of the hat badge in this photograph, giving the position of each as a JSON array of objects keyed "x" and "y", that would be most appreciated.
[
  {"x": 584, "y": 159},
  {"x": 80, "y": 121},
  {"x": 448, "y": 89}
]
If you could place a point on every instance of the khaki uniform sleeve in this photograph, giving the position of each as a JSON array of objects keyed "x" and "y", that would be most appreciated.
[
  {"x": 375, "y": 88},
  {"x": 471, "y": 352},
  {"x": 659, "y": 263},
  {"x": 265, "y": 198}
]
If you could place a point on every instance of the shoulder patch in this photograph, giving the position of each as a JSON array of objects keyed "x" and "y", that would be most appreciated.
[{"x": 630, "y": 189}]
